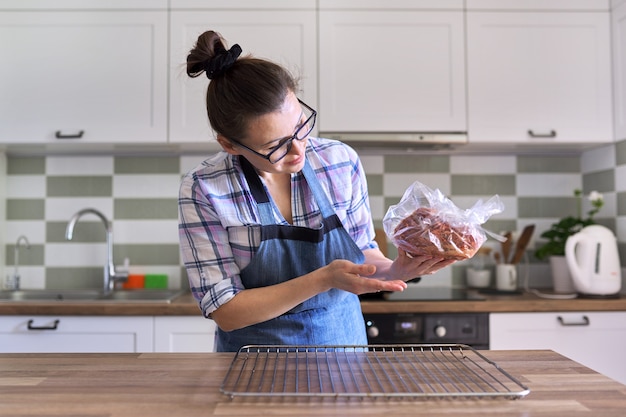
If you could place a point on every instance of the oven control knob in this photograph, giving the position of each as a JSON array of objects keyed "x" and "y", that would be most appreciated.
[
  {"x": 372, "y": 331},
  {"x": 440, "y": 330}
]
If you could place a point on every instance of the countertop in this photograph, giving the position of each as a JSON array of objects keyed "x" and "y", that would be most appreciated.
[
  {"x": 157, "y": 384},
  {"x": 185, "y": 305}
]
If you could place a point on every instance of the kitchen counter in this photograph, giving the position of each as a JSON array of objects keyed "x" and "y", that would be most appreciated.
[
  {"x": 154, "y": 384},
  {"x": 185, "y": 305}
]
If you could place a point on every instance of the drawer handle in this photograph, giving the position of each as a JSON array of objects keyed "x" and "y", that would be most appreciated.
[
  {"x": 54, "y": 326},
  {"x": 60, "y": 135},
  {"x": 550, "y": 134},
  {"x": 585, "y": 322}
]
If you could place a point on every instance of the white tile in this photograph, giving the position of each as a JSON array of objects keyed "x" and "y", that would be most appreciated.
[
  {"x": 26, "y": 186},
  {"x": 620, "y": 178},
  {"x": 34, "y": 230},
  {"x": 549, "y": 185},
  {"x": 153, "y": 186},
  {"x": 79, "y": 165},
  {"x": 497, "y": 164},
  {"x": 74, "y": 254},
  {"x": 373, "y": 164},
  {"x": 62, "y": 208},
  {"x": 598, "y": 159},
  {"x": 394, "y": 185},
  {"x": 145, "y": 231},
  {"x": 31, "y": 277}
]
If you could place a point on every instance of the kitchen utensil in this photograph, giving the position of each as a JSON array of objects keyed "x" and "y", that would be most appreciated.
[
  {"x": 593, "y": 261},
  {"x": 522, "y": 243},
  {"x": 506, "y": 277},
  {"x": 506, "y": 246},
  {"x": 434, "y": 371}
]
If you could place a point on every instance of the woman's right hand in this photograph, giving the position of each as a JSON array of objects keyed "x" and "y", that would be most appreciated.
[{"x": 351, "y": 277}]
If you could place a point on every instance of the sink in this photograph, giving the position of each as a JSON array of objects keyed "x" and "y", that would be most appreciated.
[{"x": 120, "y": 296}]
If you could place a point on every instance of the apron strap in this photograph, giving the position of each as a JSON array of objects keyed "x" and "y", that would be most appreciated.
[{"x": 262, "y": 199}]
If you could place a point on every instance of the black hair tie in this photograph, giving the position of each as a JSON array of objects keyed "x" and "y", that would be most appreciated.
[{"x": 222, "y": 61}]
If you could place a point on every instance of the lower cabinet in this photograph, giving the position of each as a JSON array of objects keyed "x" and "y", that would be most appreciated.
[
  {"x": 73, "y": 334},
  {"x": 594, "y": 339},
  {"x": 183, "y": 334},
  {"x": 105, "y": 334}
]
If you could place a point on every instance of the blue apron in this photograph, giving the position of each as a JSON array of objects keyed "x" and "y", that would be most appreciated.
[{"x": 285, "y": 252}]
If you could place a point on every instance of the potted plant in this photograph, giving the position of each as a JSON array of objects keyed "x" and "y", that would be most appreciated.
[{"x": 557, "y": 235}]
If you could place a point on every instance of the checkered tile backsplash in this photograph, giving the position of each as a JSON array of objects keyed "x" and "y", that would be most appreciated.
[{"x": 139, "y": 195}]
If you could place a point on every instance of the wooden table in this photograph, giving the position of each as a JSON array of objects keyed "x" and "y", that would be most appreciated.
[{"x": 154, "y": 384}]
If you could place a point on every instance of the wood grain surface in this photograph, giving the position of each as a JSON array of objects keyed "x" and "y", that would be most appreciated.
[
  {"x": 154, "y": 384},
  {"x": 187, "y": 306}
]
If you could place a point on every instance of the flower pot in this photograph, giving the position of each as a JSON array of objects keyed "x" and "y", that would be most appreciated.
[{"x": 561, "y": 278}]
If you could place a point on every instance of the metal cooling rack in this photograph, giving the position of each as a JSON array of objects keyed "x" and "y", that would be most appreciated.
[{"x": 406, "y": 371}]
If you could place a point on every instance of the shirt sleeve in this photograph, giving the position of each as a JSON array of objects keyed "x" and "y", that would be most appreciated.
[
  {"x": 361, "y": 225},
  {"x": 206, "y": 254}
]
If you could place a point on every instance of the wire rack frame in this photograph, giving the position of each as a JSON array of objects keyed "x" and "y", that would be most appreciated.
[{"x": 406, "y": 371}]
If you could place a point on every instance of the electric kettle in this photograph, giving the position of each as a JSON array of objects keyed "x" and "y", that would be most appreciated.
[{"x": 593, "y": 261}]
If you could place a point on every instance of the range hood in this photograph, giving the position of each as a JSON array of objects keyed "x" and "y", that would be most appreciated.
[{"x": 418, "y": 140}]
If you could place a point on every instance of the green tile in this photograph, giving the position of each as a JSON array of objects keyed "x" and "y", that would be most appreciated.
[
  {"x": 79, "y": 186},
  {"x": 145, "y": 208},
  {"x": 497, "y": 225},
  {"x": 620, "y": 153},
  {"x": 550, "y": 207},
  {"x": 416, "y": 163},
  {"x": 375, "y": 184},
  {"x": 601, "y": 181},
  {"x": 545, "y": 164},
  {"x": 33, "y": 256},
  {"x": 85, "y": 231},
  {"x": 26, "y": 209},
  {"x": 70, "y": 277},
  {"x": 17, "y": 165},
  {"x": 621, "y": 203},
  {"x": 147, "y": 165},
  {"x": 483, "y": 184},
  {"x": 147, "y": 254}
]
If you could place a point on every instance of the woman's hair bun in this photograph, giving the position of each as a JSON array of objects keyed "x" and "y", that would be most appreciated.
[{"x": 209, "y": 55}]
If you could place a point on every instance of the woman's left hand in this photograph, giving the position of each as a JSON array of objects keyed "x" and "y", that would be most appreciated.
[{"x": 404, "y": 267}]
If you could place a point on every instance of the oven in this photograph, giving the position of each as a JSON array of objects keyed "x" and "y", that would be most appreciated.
[
  {"x": 413, "y": 328},
  {"x": 418, "y": 328}
]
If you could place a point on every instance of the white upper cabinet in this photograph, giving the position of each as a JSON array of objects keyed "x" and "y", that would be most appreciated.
[
  {"x": 619, "y": 70},
  {"x": 539, "y": 77},
  {"x": 391, "y": 70},
  {"x": 287, "y": 37},
  {"x": 88, "y": 76}
]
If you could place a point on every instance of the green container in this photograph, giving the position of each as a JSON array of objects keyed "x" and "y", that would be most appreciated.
[{"x": 156, "y": 281}]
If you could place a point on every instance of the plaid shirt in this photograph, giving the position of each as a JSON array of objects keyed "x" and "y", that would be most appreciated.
[{"x": 219, "y": 225}]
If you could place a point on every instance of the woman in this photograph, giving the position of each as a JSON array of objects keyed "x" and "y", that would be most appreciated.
[{"x": 275, "y": 231}]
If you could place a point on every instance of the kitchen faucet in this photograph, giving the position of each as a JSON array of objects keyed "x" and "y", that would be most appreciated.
[
  {"x": 110, "y": 274},
  {"x": 13, "y": 281}
]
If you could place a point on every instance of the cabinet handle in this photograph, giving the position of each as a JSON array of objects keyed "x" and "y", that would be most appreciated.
[
  {"x": 585, "y": 322},
  {"x": 60, "y": 135},
  {"x": 550, "y": 134},
  {"x": 54, "y": 326}
]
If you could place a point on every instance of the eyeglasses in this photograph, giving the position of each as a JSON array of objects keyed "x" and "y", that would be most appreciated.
[{"x": 284, "y": 146}]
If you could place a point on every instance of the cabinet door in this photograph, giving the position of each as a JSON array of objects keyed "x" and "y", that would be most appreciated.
[
  {"x": 75, "y": 334},
  {"x": 619, "y": 69},
  {"x": 595, "y": 339},
  {"x": 183, "y": 334},
  {"x": 89, "y": 76},
  {"x": 391, "y": 71},
  {"x": 285, "y": 37},
  {"x": 539, "y": 77}
]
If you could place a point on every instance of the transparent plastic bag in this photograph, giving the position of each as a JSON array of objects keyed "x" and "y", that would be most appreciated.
[{"x": 426, "y": 222}]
